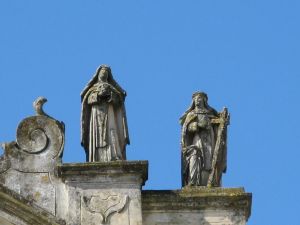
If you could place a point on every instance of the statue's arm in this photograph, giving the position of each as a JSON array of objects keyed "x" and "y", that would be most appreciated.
[
  {"x": 92, "y": 98},
  {"x": 98, "y": 93},
  {"x": 116, "y": 96},
  {"x": 118, "y": 93}
]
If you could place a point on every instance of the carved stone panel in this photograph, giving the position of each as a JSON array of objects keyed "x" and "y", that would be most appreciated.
[{"x": 104, "y": 208}]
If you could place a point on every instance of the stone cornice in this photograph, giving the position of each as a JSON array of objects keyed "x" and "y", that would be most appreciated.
[
  {"x": 197, "y": 198},
  {"x": 104, "y": 168}
]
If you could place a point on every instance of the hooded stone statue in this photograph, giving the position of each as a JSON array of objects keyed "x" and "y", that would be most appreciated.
[
  {"x": 104, "y": 130},
  {"x": 203, "y": 143}
]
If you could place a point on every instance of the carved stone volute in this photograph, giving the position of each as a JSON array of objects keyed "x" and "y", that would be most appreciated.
[{"x": 39, "y": 144}]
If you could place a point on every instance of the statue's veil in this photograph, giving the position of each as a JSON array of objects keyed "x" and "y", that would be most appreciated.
[
  {"x": 192, "y": 106},
  {"x": 110, "y": 80}
]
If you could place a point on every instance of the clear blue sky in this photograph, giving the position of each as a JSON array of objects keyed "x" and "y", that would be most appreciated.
[{"x": 244, "y": 54}]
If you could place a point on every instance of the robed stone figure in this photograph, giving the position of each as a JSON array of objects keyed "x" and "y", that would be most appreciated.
[
  {"x": 104, "y": 131},
  {"x": 203, "y": 143}
]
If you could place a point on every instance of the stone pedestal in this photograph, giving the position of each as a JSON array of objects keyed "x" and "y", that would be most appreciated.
[
  {"x": 102, "y": 193},
  {"x": 196, "y": 206}
]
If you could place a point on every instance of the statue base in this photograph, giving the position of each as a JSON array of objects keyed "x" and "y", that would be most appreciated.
[
  {"x": 196, "y": 206},
  {"x": 102, "y": 193}
]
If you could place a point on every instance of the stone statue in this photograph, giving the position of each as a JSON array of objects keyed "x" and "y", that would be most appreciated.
[
  {"x": 104, "y": 131},
  {"x": 203, "y": 143}
]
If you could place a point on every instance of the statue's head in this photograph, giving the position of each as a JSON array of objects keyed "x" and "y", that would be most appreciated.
[
  {"x": 103, "y": 73},
  {"x": 200, "y": 99}
]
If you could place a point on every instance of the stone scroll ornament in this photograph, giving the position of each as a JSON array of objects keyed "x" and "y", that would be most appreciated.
[
  {"x": 105, "y": 204},
  {"x": 104, "y": 130},
  {"x": 203, "y": 143},
  {"x": 39, "y": 144}
]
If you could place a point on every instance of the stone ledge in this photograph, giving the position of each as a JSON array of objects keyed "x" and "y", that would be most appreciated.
[
  {"x": 197, "y": 198},
  {"x": 19, "y": 207},
  {"x": 104, "y": 168}
]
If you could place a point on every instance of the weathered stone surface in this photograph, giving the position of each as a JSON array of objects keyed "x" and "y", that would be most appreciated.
[
  {"x": 103, "y": 193},
  {"x": 196, "y": 206},
  {"x": 27, "y": 166},
  {"x": 15, "y": 209}
]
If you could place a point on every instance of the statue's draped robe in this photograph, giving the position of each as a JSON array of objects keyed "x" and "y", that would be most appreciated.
[
  {"x": 104, "y": 125},
  {"x": 198, "y": 147}
]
